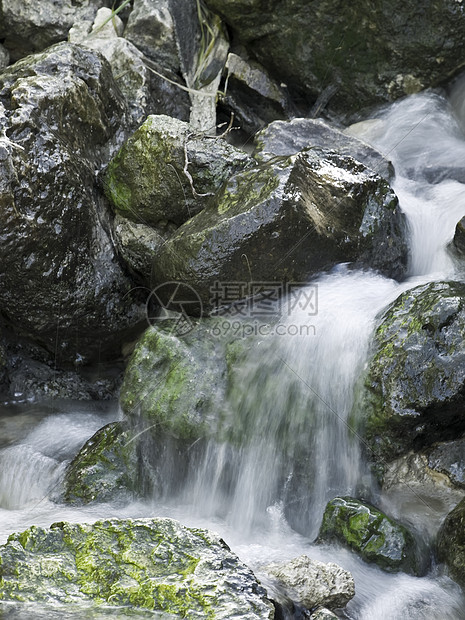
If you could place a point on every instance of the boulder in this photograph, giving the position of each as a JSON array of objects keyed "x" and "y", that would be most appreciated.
[
  {"x": 371, "y": 534},
  {"x": 450, "y": 543},
  {"x": 252, "y": 95},
  {"x": 60, "y": 281},
  {"x": 287, "y": 220},
  {"x": 27, "y": 26},
  {"x": 105, "y": 468},
  {"x": 150, "y": 28},
  {"x": 323, "y": 614},
  {"x": 448, "y": 458},
  {"x": 353, "y": 55},
  {"x": 175, "y": 384},
  {"x": 314, "y": 584},
  {"x": 145, "y": 91},
  {"x": 137, "y": 243},
  {"x": 166, "y": 172},
  {"x": 459, "y": 237},
  {"x": 151, "y": 564},
  {"x": 413, "y": 394},
  {"x": 290, "y": 137}
]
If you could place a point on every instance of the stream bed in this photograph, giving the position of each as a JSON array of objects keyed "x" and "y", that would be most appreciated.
[{"x": 317, "y": 367}]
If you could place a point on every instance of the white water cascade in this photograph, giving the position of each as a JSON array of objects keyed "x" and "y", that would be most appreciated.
[{"x": 291, "y": 419}]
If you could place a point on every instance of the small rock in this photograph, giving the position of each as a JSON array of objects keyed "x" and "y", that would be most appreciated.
[
  {"x": 449, "y": 459},
  {"x": 459, "y": 237},
  {"x": 314, "y": 584},
  {"x": 323, "y": 614}
]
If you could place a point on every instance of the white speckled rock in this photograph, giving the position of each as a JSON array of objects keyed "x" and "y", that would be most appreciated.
[{"x": 313, "y": 583}]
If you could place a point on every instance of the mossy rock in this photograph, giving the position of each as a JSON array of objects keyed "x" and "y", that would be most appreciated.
[
  {"x": 176, "y": 384},
  {"x": 105, "y": 468},
  {"x": 450, "y": 543},
  {"x": 166, "y": 172},
  {"x": 287, "y": 220},
  {"x": 151, "y": 564},
  {"x": 371, "y": 534},
  {"x": 413, "y": 391}
]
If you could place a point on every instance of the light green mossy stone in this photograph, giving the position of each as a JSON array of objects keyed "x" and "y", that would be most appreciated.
[
  {"x": 176, "y": 384},
  {"x": 374, "y": 536},
  {"x": 150, "y": 180},
  {"x": 152, "y": 564}
]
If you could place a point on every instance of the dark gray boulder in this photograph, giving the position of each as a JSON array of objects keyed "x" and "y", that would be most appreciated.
[
  {"x": 448, "y": 458},
  {"x": 363, "y": 54},
  {"x": 371, "y": 534},
  {"x": 286, "y": 220},
  {"x": 60, "y": 281},
  {"x": 413, "y": 391},
  {"x": 290, "y": 137},
  {"x": 27, "y": 26},
  {"x": 459, "y": 237}
]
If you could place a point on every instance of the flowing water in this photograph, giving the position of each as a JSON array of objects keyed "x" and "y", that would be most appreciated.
[{"x": 294, "y": 446}]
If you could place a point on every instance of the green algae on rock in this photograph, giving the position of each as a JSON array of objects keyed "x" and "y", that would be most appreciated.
[
  {"x": 371, "y": 534},
  {"x": 105, "y": 468},
  {"x": 167, "y": 172},
  {"x": 152, "y": 564},
  {"x": 175, "y": 384},
  {"x": 413, "y": 389}
]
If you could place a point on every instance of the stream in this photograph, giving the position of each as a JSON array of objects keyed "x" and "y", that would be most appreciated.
[{"x": 240, "y": 492}]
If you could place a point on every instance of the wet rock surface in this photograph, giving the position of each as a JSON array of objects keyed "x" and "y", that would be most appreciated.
[
  {"x": 153, "y": 564},
  {"x": 414, "y": 385},
  {"x": 371, "y": 534},
  {"x": 450, "y": 544},
  {"x": 314, "y": 584},
  {"x": 60, "y": 281},
  {"x": 105, "y": 469},
  {"x": 167, "y": 172},
  {"x": 348, "y": 54},
  {"x": 290, "y": 137},
  {"x": 285, "y": 221}
]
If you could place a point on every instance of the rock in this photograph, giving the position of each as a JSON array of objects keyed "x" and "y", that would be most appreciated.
[
  {"x": 323, "y": 614},
  {"x": 4, "y": 57},
  {"x": 27, "y": 26},
  {"x": 60, "y": 282},
  {"x": 459, "y": 237},
  {"x": 105, "y": 469},
  {"x": 175, "y": 383},
  {"x": 413, "y": 393},
  {"x": 150, "y": 28},
  {"x": 290, "y": 137},
  {"x": 167, "y": 172},
  {"x": 449, "y": 458},
  {"x": 450, "y": 543},
  {"x": 314, "y": 584},
  {"x": 145, "y": 92},
  {"x": 361, "y": 57},
  {"x": 154, "y": 564},
  {"x": 137, "y": 244},
  {"x": 253, "y": 96},
  {"x": 203, "y": 47},
  {"x": 286, "y": 221},
  {"x": 371, "y": 534}
]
